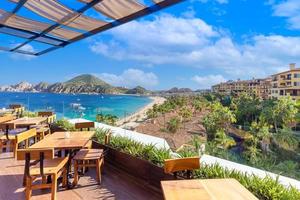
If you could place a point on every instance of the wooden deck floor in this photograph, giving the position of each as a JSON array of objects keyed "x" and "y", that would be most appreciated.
[{"x": 115, "y": 185}]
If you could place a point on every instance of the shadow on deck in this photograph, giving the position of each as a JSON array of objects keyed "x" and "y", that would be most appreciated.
[{"x": 115, "y": 184}]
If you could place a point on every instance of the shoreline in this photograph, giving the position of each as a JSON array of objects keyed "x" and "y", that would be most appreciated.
[{"x": 140, "y": 115}]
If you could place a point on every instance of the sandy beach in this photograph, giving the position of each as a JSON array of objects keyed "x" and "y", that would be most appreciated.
[{"x": 140, "y": 115}]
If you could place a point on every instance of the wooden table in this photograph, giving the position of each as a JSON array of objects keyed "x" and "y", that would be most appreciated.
[
  {"x": 24, "y": 122},
  {"x": 58, "y": 141},
  {"x": 205, "y": 189}
]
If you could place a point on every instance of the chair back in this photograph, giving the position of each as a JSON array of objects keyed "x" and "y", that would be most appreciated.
[
  {"x": 85, "y": 125},
  {"x": 14, "y": 106},
  {"x": 24, "y": 137},
  {"x": 45, "y": 113},
  {"x": 181, "y": 164},
  {"x": 35, "y": 155},
  {"x": 49, "y": 114}
]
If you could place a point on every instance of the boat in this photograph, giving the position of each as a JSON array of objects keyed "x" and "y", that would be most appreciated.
[{"x": 75, "y": 105}]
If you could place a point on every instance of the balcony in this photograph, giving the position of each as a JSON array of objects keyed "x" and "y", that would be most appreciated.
[{"x": 116, "y": 184}]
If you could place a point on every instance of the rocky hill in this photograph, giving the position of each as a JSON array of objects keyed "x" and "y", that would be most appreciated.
[{"x": 85, "y": 83}]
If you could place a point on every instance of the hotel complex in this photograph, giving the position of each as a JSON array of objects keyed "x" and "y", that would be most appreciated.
[{"x": 285, "y": 83}]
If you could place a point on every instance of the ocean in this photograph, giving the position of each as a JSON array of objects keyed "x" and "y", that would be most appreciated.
[{"x": 76, "y": 105}]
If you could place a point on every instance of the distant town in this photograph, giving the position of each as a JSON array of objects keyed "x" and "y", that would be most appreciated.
[{"x": 278, "y": 85}]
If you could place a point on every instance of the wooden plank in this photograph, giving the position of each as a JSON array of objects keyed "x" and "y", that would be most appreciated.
[
  {"x": 207, "y": 189},
  {"x": 57, "y": 140},
  {"x": 35, "y": 153},
  {"x": 25, "y": 121},
  {"x": 180, "y": 164}
]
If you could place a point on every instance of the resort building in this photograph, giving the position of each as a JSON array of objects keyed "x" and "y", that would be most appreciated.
[
  {"x": 286, "y": 83},
  {"x": 260, "y": 87}
]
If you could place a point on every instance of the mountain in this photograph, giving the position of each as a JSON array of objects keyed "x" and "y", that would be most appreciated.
[
  {"x": 42, "y": 86},
  {"x": 179, "y": 90},
  {"x": 85, "y": 83},
  {"x": 138, "y": 90},
  {"x": 87, "y": 79},
  {"x": 20, "y": 87}
]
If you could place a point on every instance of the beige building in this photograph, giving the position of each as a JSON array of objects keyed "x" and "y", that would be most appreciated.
[
  {"x": 286, "y": 83},
  {"x": 260, "y": 87}
]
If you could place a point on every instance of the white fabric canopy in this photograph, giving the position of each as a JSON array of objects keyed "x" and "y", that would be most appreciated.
[
  {"x": 117, "y": 9},
  {"x": 55, "y": 11}
]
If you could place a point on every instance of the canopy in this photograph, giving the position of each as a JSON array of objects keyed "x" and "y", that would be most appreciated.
[{"x": 54, "y": 23}]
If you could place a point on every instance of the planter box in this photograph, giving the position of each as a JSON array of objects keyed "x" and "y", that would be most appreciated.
[{"x": 149, "y": 173}]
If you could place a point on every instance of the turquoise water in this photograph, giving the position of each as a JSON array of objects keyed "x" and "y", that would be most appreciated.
[{"x": 73, "y": 106}]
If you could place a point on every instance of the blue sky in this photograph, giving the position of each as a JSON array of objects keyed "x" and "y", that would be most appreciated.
[{"x": 194, "y": 44}]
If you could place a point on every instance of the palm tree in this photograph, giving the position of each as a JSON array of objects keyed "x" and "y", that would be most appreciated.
[{"x": 286, "y": 139}]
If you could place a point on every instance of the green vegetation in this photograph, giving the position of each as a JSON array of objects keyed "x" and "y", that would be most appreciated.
[
  {"x": 137, "y": 149},
  {"x": 268, "y": 122},
  {"x": 65, "y": 124},
  {"x": 107, "y": 119},
  {"x": 173, "y": 125},
  {"x": 27, "y": 113},
  {"x": 265, "y": 188}
]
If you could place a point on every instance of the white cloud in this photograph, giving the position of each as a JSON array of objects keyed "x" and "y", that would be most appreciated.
[
  {"x": 19, "y": 56},
  {"x": 289, "y": 9},
  {"x": 205, "y": 82},
  {"x": 131, "y": 78},
  {"x": 191, "y": 42}
]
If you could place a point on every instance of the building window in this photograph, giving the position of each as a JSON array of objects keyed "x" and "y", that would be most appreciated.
[
  {"x": 281, "y": 93},
  {"x": 296, "y": 83},
  {"x": 296, "y": 75}
]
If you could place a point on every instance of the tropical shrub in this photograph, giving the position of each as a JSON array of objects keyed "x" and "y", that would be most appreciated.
[
  {"x": 219, "y": 118},
  {"x": 65, "y": 124},
  {"x": 107, "y": 119},
  {"x": 29, "y": 114},
  {"x": 173, "y": 125},
  {"x": 137, "y": 149}
]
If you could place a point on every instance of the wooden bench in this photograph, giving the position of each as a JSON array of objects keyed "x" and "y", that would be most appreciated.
[
  {"x": 181, "y": 164},
  {"x": 47, "y": 166}
]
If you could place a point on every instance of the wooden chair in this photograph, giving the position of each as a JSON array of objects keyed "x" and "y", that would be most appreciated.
[
  {"x": 6, "y": 141},
  {"x": 182, "y": 164},
  {"x": 47, "y": 166},
  {"x": 49, "y": 114},
  {"x": 85, "y": 126},
  {"x": 24, "y": 137},
  {"x": 88, "y": 158},
  {"x": 42, "y": 130},
  {"x": 18, "y": 109}
]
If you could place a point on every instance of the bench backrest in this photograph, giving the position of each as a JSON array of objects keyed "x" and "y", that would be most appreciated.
[
  {"x": 181, "y": 164},
  {"x": 85, "y": 125},
  {"x": 45, "y": 113},
  {"x": 14, "y": 106},
  {"x": 49, "y": 114},
  {"x": 35, "y": 153},
  {"x": 25, "y": 135}
]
